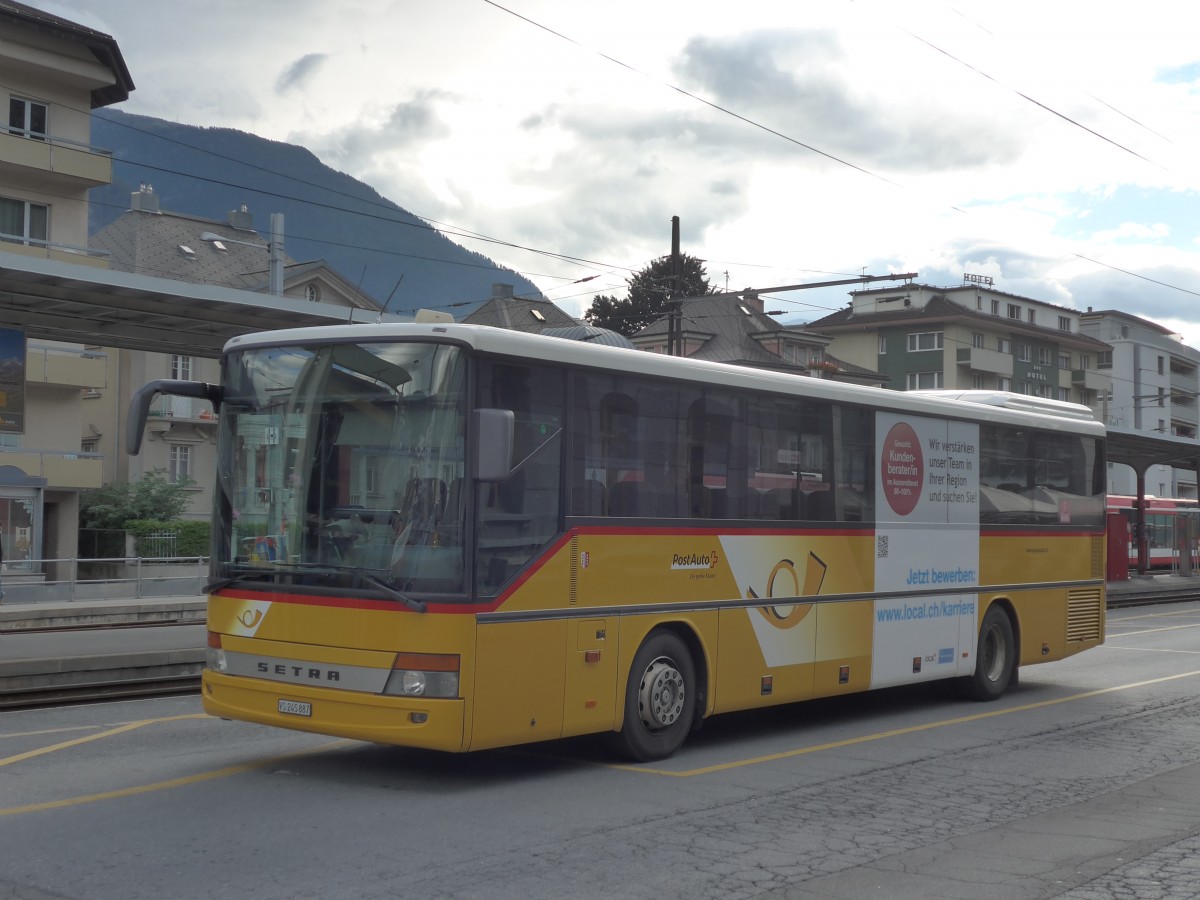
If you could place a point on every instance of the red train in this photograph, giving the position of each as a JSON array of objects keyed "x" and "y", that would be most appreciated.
[{"x": 1166, "y": 532}]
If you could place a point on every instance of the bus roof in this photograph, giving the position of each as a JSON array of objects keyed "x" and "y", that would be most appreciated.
[{"x": 1000, "y": 405}]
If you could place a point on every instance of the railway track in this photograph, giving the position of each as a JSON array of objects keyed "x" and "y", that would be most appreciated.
[
  {"x": 1155, "y": 597},
  {"x": 70, "y": 695}
]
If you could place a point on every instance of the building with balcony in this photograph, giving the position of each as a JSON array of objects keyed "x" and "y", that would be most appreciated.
[
  {"x": 969, "y": 337},
  {"x": 53, "y": 72},
  {"x": 1155, "y": 382}
]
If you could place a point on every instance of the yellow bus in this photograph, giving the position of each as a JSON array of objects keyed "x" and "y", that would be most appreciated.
[{"x": 458, "y": 537}]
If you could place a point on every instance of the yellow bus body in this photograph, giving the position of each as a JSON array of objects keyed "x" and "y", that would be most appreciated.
[{"x": 551, "y": 657}]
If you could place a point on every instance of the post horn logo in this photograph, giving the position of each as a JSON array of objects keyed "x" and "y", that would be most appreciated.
[{"x": 787, "y": 615}]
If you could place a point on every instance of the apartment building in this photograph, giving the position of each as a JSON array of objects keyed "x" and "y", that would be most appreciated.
[
  {"x": 53, "y": 72},
  {"x": 969, "y": 336},
  {"x": 1154, "y": 385}
]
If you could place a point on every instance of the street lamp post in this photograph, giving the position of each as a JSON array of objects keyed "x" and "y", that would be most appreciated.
[{"x": 274, "y": 249}]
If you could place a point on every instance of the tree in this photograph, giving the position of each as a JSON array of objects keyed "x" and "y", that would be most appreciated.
[
  {"x": 649, "y": 290},
  {"x": 153, "y": 497}
]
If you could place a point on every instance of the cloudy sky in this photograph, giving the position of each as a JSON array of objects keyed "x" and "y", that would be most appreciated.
[{"x": 1054, "y": 146}]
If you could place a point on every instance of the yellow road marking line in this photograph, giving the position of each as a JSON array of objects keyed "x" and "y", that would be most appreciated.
[
  {"x": 172, "y": 783},
  {"x": 20, "y": 757},
  {"x": 20, "y": 734},
  {"x": 913, "y": 729}
]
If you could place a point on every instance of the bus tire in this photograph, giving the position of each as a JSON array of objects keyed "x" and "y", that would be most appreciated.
[
  {"x": 995, "y": 657},
  {"x": 660, "y": 698}
]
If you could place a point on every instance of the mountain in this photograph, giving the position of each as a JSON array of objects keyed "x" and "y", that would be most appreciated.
[{"x": 328, "y": 215}]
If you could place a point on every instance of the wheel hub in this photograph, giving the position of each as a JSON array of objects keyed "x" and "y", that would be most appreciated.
[{"x": 662, "y": 694}]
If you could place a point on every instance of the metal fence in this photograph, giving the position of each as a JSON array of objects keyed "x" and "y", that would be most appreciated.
[{"x": 111, "y": 578}]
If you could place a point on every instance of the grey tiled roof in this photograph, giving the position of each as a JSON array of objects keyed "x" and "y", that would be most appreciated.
[
  {"x": 168, "y": 245},
  {"x": 517, "y": 314},
  {"x": 731, "y": 329}
]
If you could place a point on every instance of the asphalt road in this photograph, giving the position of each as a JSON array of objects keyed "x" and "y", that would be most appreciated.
[{"x": 1083, "y": 783}]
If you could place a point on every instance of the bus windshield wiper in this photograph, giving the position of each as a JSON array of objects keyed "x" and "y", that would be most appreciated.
[
  {"x": 250, "y": 573},
  {"x": 414, "y": 605},
  {"x": 373, "y": 580}
]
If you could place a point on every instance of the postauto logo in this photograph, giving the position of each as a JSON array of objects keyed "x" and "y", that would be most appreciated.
[{"x": 706, "y": 560}]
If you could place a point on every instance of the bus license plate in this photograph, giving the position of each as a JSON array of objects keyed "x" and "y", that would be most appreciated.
[{"x": 295, "y": 708}]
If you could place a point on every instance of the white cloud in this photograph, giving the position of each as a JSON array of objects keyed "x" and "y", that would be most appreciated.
[{"x": 1019, "y": 140}]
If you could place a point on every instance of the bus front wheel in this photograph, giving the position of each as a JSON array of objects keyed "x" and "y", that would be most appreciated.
[
  {"x": 660, "y": 698},
  {"x": 995, "y": 657}
]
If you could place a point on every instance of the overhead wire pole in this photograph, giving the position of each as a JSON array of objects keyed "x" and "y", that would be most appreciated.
[
  {"x": 776, "y": 289},
  {"x": 674, "y": 314}
]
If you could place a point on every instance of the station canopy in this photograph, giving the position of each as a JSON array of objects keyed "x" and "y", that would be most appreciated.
[
  {"x": 83, "y": 304},
  {"x": 1140, "y": 450}
]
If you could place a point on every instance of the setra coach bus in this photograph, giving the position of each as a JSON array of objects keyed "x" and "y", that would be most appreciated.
[{"x": 459, "y": 537}]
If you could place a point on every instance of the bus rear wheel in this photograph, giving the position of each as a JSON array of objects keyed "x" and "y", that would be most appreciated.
[
  {"x": 660, "y": 698},
  {"x": 995, "y": 657}
]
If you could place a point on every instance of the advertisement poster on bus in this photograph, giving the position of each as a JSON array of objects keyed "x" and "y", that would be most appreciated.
[{"x": 926, "y": 548}]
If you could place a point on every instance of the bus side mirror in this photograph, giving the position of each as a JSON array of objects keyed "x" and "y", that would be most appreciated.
[
  {"x": 493, "y": 443},
  {"x": 139, "y": 406}
]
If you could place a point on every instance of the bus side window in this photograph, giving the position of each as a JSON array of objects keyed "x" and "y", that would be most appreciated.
[
  {"x": 710, "y": 437},
  {"x": 1004, "y": 496},
  {"x": 853, "y": 499},
  {"x": 520, "y": 515}
]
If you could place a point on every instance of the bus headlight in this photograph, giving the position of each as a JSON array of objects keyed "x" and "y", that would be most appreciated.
[
  {"x": 214, "y": 656},
  {"x": 424, "y": 675}
]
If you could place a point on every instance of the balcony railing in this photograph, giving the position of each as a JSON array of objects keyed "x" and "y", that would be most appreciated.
[
  {"x": 59, "y": 252},
  {"x": 65, "y": 368},
  {"x": 980, "y": 359},
  {"x": 1090, "y": 380},
  {"x": 73, "y": 160},
  {"x": 60, "y": 469}
]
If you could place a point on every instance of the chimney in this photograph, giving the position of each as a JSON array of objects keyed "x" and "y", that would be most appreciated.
[
  {"x": 753, "y": 301},
  {"x": 144, "y": 199},
  {"x": 502, "y": 291},
  {"x": 241, "y": 219}
]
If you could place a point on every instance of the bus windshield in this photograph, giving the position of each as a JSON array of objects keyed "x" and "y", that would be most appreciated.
[{"x": 341, "y": 466}]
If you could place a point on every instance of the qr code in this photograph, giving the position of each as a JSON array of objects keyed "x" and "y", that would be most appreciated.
[{"x": 881, "y": 546}]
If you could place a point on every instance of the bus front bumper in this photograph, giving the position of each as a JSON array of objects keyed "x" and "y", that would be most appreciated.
[{"x": 404, "y": 721}]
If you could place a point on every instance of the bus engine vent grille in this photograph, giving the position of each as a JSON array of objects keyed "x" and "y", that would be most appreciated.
[{"x": 1085, "y": 615}]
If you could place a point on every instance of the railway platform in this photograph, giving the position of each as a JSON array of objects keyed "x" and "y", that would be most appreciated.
[{"x": 97, "y": 646}]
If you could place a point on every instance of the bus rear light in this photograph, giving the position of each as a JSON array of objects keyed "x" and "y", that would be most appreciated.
[
  {"x": 424, "y": 675},
  {"x": 214, "y": 656}
]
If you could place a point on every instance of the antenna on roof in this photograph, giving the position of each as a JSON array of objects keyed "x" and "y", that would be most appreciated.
[
  {"x": 357, "y": 287},
  {"x": 383, "y": 308}
]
